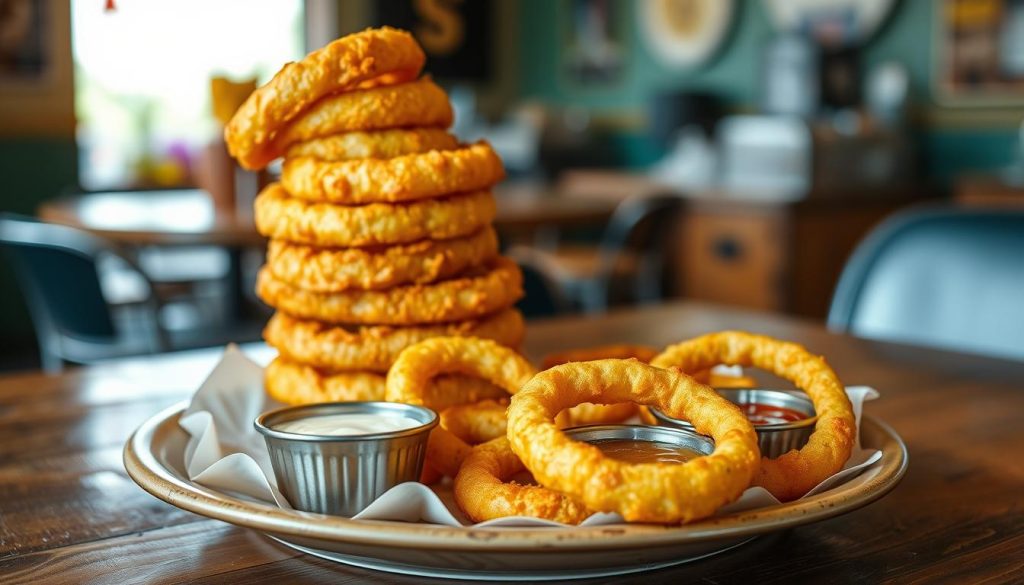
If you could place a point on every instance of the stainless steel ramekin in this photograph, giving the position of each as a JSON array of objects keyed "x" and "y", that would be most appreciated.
[
  {"x": 342, "y": 475},
  {"x": 676, "y": 437},
  {"x": 773, "y": 440}
]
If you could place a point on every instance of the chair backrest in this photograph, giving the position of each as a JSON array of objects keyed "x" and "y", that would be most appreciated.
[
  {"x": 945, "y": 277},
  {"x": 639, "y": 225},
  {"x": 56, "y": 268}
]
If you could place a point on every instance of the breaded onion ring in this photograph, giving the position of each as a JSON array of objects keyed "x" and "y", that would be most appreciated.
[
  {"x": 376, "y": 347},
  {"x": 483, "y": 489},
  {"x": 293, "y": 383},
  {"x": 418, "y": 104},
  {"x": 709, "y": 377},
  {"x": 477, "y": 422},
  {"x": 380, "y": 144},
  {"x": 479, "y": 292},
  {"x": 337, "y": 269},
  {"x": 646, "y": 492},
  {"x": 593, "y": 414},
  {"x": 791, "y": 475},
  {"x": 403, "y": 178},
  {"x": 287, "y": 218},
  {"x": 368, "y": 56},
  {"x": 409, "y": 379}
]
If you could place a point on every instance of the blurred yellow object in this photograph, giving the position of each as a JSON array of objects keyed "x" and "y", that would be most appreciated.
[{"x": 227, "y": 96}]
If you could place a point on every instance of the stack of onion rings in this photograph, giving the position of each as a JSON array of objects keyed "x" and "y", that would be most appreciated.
[{"x": 791, "y": 475}]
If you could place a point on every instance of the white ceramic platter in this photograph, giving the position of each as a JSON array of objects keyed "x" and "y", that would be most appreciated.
[{"x": 153, "y": 457}]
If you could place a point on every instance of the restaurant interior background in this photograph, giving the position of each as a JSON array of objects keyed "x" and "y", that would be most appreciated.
[{"x": 733, "y": 152}]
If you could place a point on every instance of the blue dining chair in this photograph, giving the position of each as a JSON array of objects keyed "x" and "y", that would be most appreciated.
[
  {"x": 940, "y": 276},
  {"x": 75, "y": 318}
]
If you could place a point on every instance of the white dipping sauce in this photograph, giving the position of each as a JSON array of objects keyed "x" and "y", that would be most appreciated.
[{"x": 343, "y": 425}]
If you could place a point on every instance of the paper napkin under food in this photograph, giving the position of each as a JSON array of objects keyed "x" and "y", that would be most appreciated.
[{"x": 225, "y": 453}]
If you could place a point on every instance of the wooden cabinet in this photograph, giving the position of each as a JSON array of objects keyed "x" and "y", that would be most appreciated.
[{"x": 772, "y": 256}]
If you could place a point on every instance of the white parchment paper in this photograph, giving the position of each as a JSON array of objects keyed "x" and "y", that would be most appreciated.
[{"x": 226, "y": 453}]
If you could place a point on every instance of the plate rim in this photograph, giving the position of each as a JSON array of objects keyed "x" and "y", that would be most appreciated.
[{"x": 146, "y": 470}]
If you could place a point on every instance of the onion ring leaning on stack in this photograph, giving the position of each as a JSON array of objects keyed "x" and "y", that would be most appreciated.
[
  {"x": 281, "y": 217},
  {"x": 377, "y": 144},
  {"x": 337, "y": 269},
  {"x": 644, "y": 492},
  {"x": 384, "y": 55},
  {"x": 411, "y": 376},
  {"x": 791, "y": 475},
  {"x": 477, "y": 293},
  {"x": 376, "y": 347},
  {"x": 294, "y": 383}
]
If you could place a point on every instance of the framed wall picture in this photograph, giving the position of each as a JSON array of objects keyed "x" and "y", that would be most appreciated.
[
  {"x": 979, "y": 53},
  {"x": 684, "y": 33}
]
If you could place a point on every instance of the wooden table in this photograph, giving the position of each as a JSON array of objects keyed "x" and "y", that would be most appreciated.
[{"x": 69, "y": 513}]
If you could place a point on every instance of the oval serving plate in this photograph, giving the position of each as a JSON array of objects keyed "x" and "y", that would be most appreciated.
[{"x": 154, "y": 455}]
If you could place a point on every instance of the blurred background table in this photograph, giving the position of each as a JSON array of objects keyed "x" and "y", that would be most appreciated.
[{"x": 70, "y": 514}]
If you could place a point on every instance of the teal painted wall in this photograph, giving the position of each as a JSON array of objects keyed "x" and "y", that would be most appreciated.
[{"x": 733, "y": 73}]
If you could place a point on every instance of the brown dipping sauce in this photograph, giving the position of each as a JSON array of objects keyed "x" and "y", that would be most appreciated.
[
  {"x": 766, "y": 414},
  {"x": 630, "y": 451}
]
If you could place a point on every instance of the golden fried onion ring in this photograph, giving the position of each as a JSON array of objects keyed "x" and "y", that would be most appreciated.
[
  {"x": 287, "y": 218},
  {"x": 647, "y": 492},
  {"x": 410, "y": 377},
  {"x": 340, "y": 65},
  {"x": 478, "y": 422},
  {"x": 376, "y": 347},
  {"x": 477, "y": 293},
  {"x": 403, "y": 178},
  {"x": 593, "y": 414},
  {"x": 419, "y": 103},
  {"x": 483, "y": 489},
  {"x": 336, "y": 269},
  {"x": 791, "y": 475},
  {"x": 294, "y": 383},
  {"x": 380, "y": 144}
]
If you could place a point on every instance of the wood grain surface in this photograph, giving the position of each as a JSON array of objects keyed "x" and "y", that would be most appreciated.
[{"x": 69, "y": 513}]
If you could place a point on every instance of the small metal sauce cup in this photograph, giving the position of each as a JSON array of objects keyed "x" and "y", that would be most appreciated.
[
  {"x": 675, "y": 437},
  {"x": 774, "y": 439},
  {"x": 342, "y": 475}
]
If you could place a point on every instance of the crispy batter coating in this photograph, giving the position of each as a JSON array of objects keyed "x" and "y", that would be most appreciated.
[
  {"x": 386, "y": 55},
  {"x": 419, "y": 103},
  {"x": 379, "y": 144},
  {"x": 376, "y": 347},
  {"x": 294, "y": 383},
  {"x": 477, "y": 293},
  {"x": 791, "y": 475},
  {"x": 409, "y": 379},
  {"x": 337, "y": 269},
  {"x": 403, "y": 178},
  {"x": 483, "y": 490},
  {"x": 282, "y": 217},
  {"x": 477, "y": 422},
  {"x": 647, "y": 492},
  {"x": 709, "y": 377},
  {"x": 593, "y": 414}
]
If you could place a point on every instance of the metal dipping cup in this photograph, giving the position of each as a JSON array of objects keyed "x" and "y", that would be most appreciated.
[
  {"x": 774, "y": 439},
  {"x": 674, "y": 437},
  {"x": 342, "y": 475}
]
